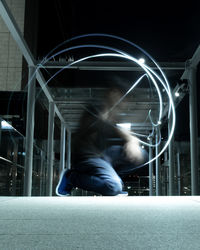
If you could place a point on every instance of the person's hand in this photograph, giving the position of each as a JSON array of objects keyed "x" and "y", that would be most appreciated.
[{"x": 133, "y": 151}]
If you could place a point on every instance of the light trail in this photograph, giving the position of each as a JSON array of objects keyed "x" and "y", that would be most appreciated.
[{"x": 121, "y": 54}]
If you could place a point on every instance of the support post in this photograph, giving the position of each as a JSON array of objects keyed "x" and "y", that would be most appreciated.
[
  {"x": 50, "y": 152},
  {"x": 62, "y": 147},
  {"x": 171, "y": 160},
  {"x": 29, "y": 133},
  {"x": 157, "y": 164},
  {"x": 150, "y": 170},
  {"x": 68, "y": 163},
  {"x": 193, "y": 130},
  {"x": 166, "y": 173},
  {"x": 14, "y": 167},
  {"x": 41, "y": 171},
  {"x": 0, "y": 133},
  {"x": 178, "y": 172}
]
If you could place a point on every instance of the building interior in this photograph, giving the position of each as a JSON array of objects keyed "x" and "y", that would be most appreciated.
[{"x": 57, "y": 57}]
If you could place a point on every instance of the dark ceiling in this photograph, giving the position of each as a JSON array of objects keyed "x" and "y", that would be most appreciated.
[{"x": 168, "y": 30}]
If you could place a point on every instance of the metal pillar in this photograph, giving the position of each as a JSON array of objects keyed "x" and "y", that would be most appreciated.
[
  {"x": 157, "y": 164},
  {"x": 29, "y": 133},
  {"x": 62, "y": 148},
  {"x": 14, "y": 167},
  {"x": 166, "y": 173},
  {"x": 50, "y": 156},
  {"x": 68, "y": 162},
  {"x": 171, "y": 160},
  {"x": 193, "y": 130},
  {"x": 0, "y": 133},
  {"x": 41, "y": 172},
  {"x": 178, "y": 172},
  {"x": 150, "y": 170}
]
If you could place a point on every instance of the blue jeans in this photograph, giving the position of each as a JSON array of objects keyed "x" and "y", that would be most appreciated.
[{"x": 102, "y": 175}]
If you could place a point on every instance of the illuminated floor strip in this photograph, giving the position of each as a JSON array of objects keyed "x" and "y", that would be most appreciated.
[{"x": 100, "y": 223}]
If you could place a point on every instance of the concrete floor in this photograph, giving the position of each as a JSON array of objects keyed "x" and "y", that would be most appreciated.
[{"x": 99, "y": 223}]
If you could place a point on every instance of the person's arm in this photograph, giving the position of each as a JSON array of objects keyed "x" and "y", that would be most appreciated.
[{"x": 132, "y": 147}]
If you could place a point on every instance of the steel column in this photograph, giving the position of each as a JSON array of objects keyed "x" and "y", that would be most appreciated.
[
  {"x": 166, "y": 173},
  {"x": 157, "y": 164},
  {"x": 50, "y": 151},
  {"x": 171, "y": 160},
  {"x": 62, "y": 147},
  {"x": 29, "y": 133},
  {"x": 68, "y": 162},
  {"x": 193, "y": 130},
  {"x": 150, "y": 170},
  {"x": 178, "y": 172},
  {"x": 0, "y": 132},
  {"x": 41, "y": 171}
]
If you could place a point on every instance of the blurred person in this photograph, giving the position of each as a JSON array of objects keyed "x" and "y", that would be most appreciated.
[{"x": 97, "y": 166}]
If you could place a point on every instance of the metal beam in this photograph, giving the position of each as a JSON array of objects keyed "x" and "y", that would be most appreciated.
[
  {"x": 62, "y": 148},
  {"x": 190, "y": 75},
  {"x": 171, "y": 160},
  {"x": 178, "y": 172},
  {"x": 42, "y": 81},
  {"x": 111, "y": 66},
  {"x": 157, "y": 149},
  {"x": 193, "y": 130},
  {"x": 68, "y": 162},
  {"x": 50, "y": 152},
  {"x": 29, "y": 133},
  {"x": 150, "y": 170},
  {"x": 193, "y": 62}
]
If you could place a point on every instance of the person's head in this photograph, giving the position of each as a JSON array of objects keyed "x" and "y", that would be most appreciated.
[
  {"x": 112, "y": 105},
  {"x": 113, "y": 95}
]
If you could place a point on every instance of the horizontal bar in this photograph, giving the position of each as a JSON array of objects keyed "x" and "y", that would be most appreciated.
[{"x": 112, "y": 66}]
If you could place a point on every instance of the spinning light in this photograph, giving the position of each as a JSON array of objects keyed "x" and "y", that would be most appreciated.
[{"x": 159, "y": 81}]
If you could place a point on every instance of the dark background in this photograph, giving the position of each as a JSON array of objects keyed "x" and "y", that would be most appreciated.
[{"x": 168, "y": 30}]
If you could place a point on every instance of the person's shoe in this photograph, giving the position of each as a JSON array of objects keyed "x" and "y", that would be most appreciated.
[
  {"x": 64, "y": 186},
  {"x": 123, "y": 193}
]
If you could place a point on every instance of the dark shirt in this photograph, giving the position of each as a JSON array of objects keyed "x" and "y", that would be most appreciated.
[{"x": 92, "y": 138}]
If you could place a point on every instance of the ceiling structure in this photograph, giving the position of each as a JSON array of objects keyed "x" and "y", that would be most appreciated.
[
  {"x": 169, "y": 33},
  {"x": 171, "y": 37}
]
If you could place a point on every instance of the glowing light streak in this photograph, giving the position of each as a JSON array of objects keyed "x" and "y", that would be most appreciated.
[
  {"x": 147, "y": 69},
  {"x": 132, "y": 87},
  {"x": 122, "y": 54}
]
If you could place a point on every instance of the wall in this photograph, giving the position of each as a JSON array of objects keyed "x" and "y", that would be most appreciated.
[{"x": 10, "y": 55}]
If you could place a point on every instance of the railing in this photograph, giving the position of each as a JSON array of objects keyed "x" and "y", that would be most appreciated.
[{"x": 12, "y": 159}]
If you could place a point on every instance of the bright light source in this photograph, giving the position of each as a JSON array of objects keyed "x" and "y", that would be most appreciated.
[
  {"x": 5, "y": 125},
  {"x": 141, "y": 60},
  {"x": 126, "y": 126},
  {"x": 177, "y": 94}
]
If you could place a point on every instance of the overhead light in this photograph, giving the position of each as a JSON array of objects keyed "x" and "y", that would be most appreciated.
[
  {"x": 141, "y": 60},
  {"x": 126, "y": 126},
  {"x": 177, "y": 94},
  {"x": 6, "y": 125}
]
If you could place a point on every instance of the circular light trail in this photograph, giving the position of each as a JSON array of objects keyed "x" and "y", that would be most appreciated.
[{"x": 158, "y": 80}]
